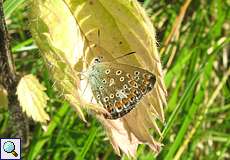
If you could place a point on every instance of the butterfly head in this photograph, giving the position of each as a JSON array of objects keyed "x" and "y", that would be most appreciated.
[{"x": 97, "y": 60}]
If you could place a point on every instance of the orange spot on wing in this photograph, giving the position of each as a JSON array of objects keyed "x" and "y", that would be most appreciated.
[
  {"x": 125, "y": 101},
  {"x": 132, "y": 82},
  {"x": 118, "y": 104},
  {"x": 130, "y": 96},
  {"x": 132, "y": 90},
  {"x": 142, "y": 88}
]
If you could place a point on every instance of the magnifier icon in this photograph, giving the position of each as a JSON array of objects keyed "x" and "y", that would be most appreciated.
[{"x": 9, "y": 147}]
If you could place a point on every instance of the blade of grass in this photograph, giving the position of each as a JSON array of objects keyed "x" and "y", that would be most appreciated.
[
  {"x": 147, "y": 3},
  {"x": 224, "y": 149},
  {"x": 176, "y": 69},
  {"x": 174, "y": 95},
  {"x": 202, "y": 116},
  {"x": 218, "y": 109},
  {"x": 181, "y": 102},
  {"x": 24, "y": 46},
  {"x": 88, "y": 143},
  {"x": 192, "y": 111},
  {"x": 36, "y": 146},
  {"x": 70, "y": 141},
  {"x": 10, "y": 5}
]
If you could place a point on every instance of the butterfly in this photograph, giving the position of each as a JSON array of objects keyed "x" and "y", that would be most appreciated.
[{"x": 118, "y": 87}]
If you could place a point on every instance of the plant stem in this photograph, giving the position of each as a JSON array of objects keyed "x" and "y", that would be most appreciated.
[{"x": 18, "y": 126}]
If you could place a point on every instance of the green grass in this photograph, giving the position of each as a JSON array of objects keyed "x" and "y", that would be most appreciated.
[{"x": 200, "y": 63}]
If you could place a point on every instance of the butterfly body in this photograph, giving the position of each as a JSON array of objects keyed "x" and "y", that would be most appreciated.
[{"x": 118, "y": 87}]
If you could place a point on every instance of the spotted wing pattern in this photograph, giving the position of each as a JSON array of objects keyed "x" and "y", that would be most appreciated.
[{"x": 119, "y": 87}]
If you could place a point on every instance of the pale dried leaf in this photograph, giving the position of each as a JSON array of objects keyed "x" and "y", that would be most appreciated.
[
  {"x": 55, "y": 25},
  {"x": 119, "y": 137},
  {"x": 32, "y": 98},
  {"x": 57, "y": 34},
  {"x": 124, "y": 27}
]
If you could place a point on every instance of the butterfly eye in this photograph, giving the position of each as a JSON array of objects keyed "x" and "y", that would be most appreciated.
[
  {"x": 97, "y": 60},
  {"x": 101, "y": 87},
  {"x": 122, "y": 79},
  {"x": 117, "y": 94},
  {"x": 98, "y": 96},
  {"x": 104, "y": 81}
]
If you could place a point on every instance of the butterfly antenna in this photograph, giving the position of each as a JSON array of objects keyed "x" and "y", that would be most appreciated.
[{"x": 127, "y": 54}]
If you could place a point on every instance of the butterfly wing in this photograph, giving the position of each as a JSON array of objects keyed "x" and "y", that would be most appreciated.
[{"x": 119, "y": 87}]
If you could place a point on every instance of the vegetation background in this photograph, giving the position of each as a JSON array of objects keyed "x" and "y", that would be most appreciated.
[{"x": 193, "y": 40}]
